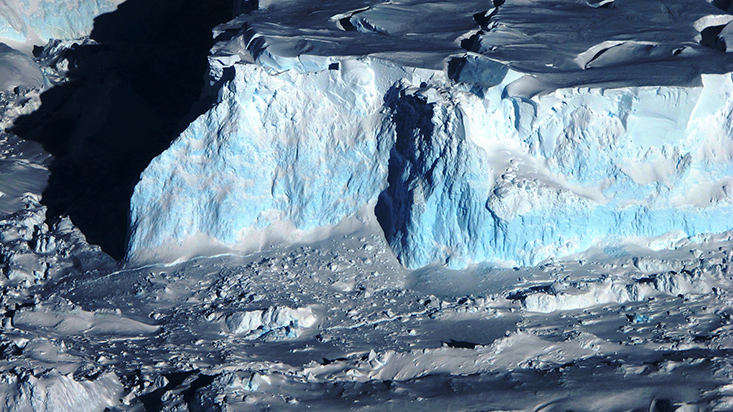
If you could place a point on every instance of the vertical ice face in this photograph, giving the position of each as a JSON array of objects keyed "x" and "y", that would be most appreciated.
[
  {"x": 456, "y": 173},
  {"x": 27, "y": 22},
  {"x": 471, "y": 162},
  {"x": 434, "y": 205},
  {"x": 485, "y": 178},
  {"x": 276, "y": 153}
]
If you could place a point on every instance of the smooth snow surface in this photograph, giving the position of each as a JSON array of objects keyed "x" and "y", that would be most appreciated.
[{"x": 461, "y": 157}]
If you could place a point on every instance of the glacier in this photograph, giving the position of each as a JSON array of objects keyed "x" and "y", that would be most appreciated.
[
  {"x": 24, "y": 23},
  {"x": 462, "y": 154}
]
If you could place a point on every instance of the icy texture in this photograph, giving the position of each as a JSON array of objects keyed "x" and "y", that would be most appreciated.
[
  {"x": 58, "y": 393},
  {"x": 461, "y": 165},
  {"x": 274, "y": 322},
  {"x": 27, "y": 22},
  {"x": 18, "y": 70},
  {"x": 264, "y": 156},
  {"x": 463, "y": 177},
  {"x": 587, "y": 294}
]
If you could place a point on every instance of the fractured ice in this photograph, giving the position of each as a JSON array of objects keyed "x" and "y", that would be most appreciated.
[
  {"x": 465, "y": 164},
  {"x": 27, "y": 22}
]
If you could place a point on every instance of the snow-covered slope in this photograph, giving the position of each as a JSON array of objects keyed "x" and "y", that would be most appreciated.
[
  {"x": 464, "y": 156},
  {"x": 24, "y": 23}
]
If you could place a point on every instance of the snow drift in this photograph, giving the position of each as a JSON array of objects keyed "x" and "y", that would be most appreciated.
[{"x": 461, "y": 164}]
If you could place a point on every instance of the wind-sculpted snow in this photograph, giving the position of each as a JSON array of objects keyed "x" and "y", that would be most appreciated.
[
  {"x": 24, "y": 23},
  {"x": 461, "y": 164}
]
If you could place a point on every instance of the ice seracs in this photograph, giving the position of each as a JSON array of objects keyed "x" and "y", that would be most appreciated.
[{"x": 473, "y": 161}]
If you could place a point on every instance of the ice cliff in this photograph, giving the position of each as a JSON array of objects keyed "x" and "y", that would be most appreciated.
[
  {"x": 24, "y": 23},
  {"x": 467, "y": 158}
]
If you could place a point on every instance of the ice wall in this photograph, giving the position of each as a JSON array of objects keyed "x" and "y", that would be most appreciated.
[
  {"x": 457, "y": 173},
  {"x": 277, "y": 156},
  {"x": 467, "y": 163},
  {"x": 24, "y": 23},
  {"x": 521, "y": 180}
]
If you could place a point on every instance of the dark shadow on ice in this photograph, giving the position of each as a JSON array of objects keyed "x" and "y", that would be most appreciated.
[
  {"x": 127, "y": 99},
  {"x": 412, "y": 117},
  {"x": 722, "y": 4},
  {"x": 710, "y": 38}
]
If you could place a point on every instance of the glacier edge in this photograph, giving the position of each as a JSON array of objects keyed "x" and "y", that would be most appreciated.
[{"x": 460, "y": 172}]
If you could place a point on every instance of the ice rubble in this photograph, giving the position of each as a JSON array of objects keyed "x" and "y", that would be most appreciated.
[
  {"x": 24, "y": 23},
  {"x": 462, "y": 164}
]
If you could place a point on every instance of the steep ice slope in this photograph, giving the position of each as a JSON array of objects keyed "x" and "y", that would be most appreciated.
[
  {"x": 24, "y": 23},
  {"x": 463, "y": 159}
]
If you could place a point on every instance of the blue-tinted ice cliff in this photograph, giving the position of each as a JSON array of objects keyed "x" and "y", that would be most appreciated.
[
  {"x": 24, "y": 23},
  {"x": 463, "y": 157}
]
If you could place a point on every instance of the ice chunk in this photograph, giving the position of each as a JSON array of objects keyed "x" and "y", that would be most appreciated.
[
  {"x": 53, "y": 391},
  {"x": 273, "y": 322}
]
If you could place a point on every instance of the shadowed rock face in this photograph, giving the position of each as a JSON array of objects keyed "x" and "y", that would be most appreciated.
[{"x": 127, "y": 98}]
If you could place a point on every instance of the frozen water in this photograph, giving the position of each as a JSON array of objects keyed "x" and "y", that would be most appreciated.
[
  {"x": 18, "y": 70},
  {"x": 461, "y": 164},
  {"x": 274, "y": 323},
  {"x": 332, "y": 116},
  {"x": 24, "y": 23}
]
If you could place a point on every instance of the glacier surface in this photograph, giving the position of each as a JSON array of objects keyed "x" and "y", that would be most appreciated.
[
  {"x": 24, "y": 23},
  {"x": 470, "y": 159}
]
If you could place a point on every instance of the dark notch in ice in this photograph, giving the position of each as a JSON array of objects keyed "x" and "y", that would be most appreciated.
[
  {"x": 459, "y": 344},
  {"x": 472, "y": 43},
  {"x": 152, "y": 401},
  {"x": 455, "y": 67},
  {"x": 710, "y": 38},
  {"x": 344, "y": 23},
  {"x": 523, "y": 293},
  {"x": 483, "y": 18},
  {"x": 127, "y": 98},
  {"x": 412, "y": 118},
  {"x": 596, "y": 56}
]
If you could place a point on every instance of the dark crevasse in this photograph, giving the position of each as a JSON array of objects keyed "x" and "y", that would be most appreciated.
[{"x": 126, "y": 99}]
